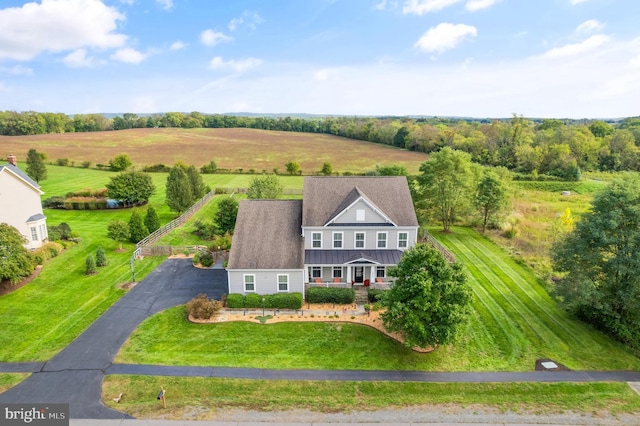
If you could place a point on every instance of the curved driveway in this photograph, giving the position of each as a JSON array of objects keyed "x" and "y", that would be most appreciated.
[{"x": 75, "y": 374}]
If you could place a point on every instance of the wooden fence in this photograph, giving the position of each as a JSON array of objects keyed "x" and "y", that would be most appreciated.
[
  {"x": 436, "y": 244},
  {"x": 155, "y": 235}
]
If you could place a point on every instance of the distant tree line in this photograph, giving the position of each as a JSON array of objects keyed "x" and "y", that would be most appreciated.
[{"x": 543, "y": 147}]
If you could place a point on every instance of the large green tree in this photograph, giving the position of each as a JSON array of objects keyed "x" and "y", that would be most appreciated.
[
  {"x": 198, "y": 188},
  {"x": 293, "y": 167},
  {"x": 179, "y": 195},
  {"x": 137, "y": 230},
  {"x": 491, "y": 198},
  {"x": 36, "y": 168},
  {"x": 120, "y": 162},
  {"x": 151, "y": 219},
  {"x": 446, "y": 184},
  {"x": 131, "y": 187},
  {"x": 15, "y": 260},
  {"x": 429, "y": 300},
  {"x": 600, "y": 260},
  {"x": 226, "y": 215},
  {"x": 265, "y": 187}
]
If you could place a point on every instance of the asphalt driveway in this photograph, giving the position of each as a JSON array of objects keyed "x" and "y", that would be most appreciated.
[{"x": 75, "y": 374}]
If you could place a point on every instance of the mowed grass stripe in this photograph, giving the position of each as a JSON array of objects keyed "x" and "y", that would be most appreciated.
[
  {"x": 529, "y": 288},
  {"x": 517, "y": 312}
]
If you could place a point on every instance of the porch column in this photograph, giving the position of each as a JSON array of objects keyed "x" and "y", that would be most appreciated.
[
  {"x": 306, "y": 274},
  {"x": 372, "y": 275},
  {"x": 348, "y": 274}
]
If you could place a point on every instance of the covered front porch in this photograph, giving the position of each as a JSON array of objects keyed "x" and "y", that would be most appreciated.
[{"x": 347, "y": 268}]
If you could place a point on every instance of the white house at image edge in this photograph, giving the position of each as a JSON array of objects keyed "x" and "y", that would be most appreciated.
[
  {"x": 20, "y": 204},
  {"x": 345, "y": 231}
]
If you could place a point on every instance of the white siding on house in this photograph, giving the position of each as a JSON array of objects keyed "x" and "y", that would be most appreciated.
[
  {"x": 18, "y": 202},
  {"x": 266, "y": 281},
  {"x": 350, "y": 215}
]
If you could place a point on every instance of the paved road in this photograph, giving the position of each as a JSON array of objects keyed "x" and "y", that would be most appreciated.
[{"x": 75, "y": 374}]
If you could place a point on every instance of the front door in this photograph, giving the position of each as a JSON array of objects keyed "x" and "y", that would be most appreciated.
[{"x": 358, "y": 274}]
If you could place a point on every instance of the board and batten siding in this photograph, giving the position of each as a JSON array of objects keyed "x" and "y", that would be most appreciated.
[
  {"x": 266, "y": 281},
  {"x": 349, "y": 236},
  {"x": 360, "y": 212}
]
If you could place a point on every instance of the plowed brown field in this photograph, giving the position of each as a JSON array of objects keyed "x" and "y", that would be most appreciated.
[{"x": 229, "y": 148}]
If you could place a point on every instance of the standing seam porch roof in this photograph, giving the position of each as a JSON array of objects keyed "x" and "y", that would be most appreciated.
[{"x": 343, "y": 257}]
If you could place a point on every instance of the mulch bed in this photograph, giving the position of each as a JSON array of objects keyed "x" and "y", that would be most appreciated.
[{"x": 6, "y": 287}]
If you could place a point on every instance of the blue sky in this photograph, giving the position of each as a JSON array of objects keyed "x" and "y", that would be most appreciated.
[{"x": 480, "y": 58}]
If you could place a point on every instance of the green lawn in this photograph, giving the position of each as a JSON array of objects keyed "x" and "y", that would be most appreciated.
[
  {"x": 209, "y": 394},
  {"x": 9, "y": 380},
  {"x": 513, "y": 323}
]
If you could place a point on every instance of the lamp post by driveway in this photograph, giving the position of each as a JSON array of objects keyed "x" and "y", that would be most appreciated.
[{"x": 263, "y": 307}]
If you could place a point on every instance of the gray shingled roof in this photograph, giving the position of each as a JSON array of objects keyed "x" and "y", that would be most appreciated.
[
  {"x": 36, "y": 217},
  {"x": 341, "y": 257},
  {"x": 23, "y": 175},
  {"x": 268, "y": 235},
  {"x": 325, "y": 196}
]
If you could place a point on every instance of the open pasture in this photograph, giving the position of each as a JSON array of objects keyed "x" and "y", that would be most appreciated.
[{"x": 230, "y": 148}]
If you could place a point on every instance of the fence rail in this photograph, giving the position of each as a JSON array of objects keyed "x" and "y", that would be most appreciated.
[
  {"x": 155, "y": 235},
  {"x": 285, "y": 191},
  {"x": 436, "y": 244}
]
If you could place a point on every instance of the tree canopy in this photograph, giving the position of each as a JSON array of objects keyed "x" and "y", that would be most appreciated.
[
  {"x": 179, "y": 195},
  {"x": 36, "y": 168},
  {"x": 430, "y": 299},
  {"x": 131, "y": 187},
  {"x": 198, "y": 188},
  {"x": 446, "y": 184},
  {"x": 15, "y": 260},
  {"x": 600, "y": 260},
  {"x": 137, "y": 230},
  {"x": 491, "y": 197},
  {"x": 120, "y": 162},
  {"x": 226, "y": 215},
  {"x": 118, "y": 231},
  {"x": 265, "y": 186},
  {"x": 151, "y": 220}
]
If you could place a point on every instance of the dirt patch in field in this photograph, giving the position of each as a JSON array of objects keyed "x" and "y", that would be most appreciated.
[{"x": 230, "y": 148}]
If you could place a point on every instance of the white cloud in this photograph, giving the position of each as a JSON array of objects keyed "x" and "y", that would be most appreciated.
[
  {"x": 575, "y": 2},
  {"x": 57, "y": 26},
  {"x": 3, "y": 87},
  {"x": 635, "y": 62},
  {"x": 211, "y": 38},
  {"x": 17, "y": 70},
  {"x": 178, "y": 45},
  {"x": 589, "y": 26},
  {"x": 79, "y": 59},
  {"x": 241, "y": 65},
  {"x": 576, "y": 49},
  {"x": 381, "y": 6},
  {"x": 420, "y": 7},
  {"x": 321, "y": 75},
  {"x": 249, "y": 18},
  {"x": 165, "y": 4},
  {"x": 473, "y": 5},
  {"x": 129, "y": 2},
  {"x": 445, "y": 36},
  {"x": 128, "y": 55}
]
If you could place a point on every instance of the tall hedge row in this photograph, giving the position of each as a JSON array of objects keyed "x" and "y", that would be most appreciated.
[
  {"x": 271, "y": 301},
  {"x": 340, "y": 296}
]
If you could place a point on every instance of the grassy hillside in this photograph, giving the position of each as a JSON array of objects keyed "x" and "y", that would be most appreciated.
[{"x": 230, "y": 148}]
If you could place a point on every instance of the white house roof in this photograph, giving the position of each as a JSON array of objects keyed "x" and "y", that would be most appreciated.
[{"x": 15, "y": 170}]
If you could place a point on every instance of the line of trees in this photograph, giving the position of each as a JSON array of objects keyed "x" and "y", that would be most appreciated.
[{"x": 559, "y": 148}]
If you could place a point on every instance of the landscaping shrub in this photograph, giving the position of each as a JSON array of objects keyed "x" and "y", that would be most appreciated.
[
  {"x": 375, "y": 295},
  {"x": 201, "y": 307},
  {"x": 90, "y": 266},
  {"x": 196, "y": 258},
  {"x": 235, "y": 301},
  {"x": 341, "y": 296},
  {"x": 53, "y": 203},
  {"x": 206, "y": 229},
  {"x": 157, "y": 168},
  {"x": 284, "y": 301},
  {"x": 253, "y": 301},
  {"x": 52, "y": 249},
  {"x": 62, "y": 162},
  {"x": 86, "y": 164},
  {"x": 101, "y": 257},
  {"x": 221, "y": 242},
  {"x": 206, "y": 259}
]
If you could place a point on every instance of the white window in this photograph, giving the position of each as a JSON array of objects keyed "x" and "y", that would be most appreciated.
[
  {"x": 337, "y": 272},
  {"x": 380, "y": 272},
  {"x": 34, "y": 234},
  {"x": 316, "y": 238},
  {"x": 337, "y": 240},
  {"x": 249, "y": 283},
  {"x": 360, "y": 215},
  {"x": 43, "y": 231},
  {"x": 359, "y": 243},
  {"x": 403, "y": 239},
  {"x": 382, "y": 240},
  {"x": 283, "y": 282},
  {"x": 316, "y": 272}
]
